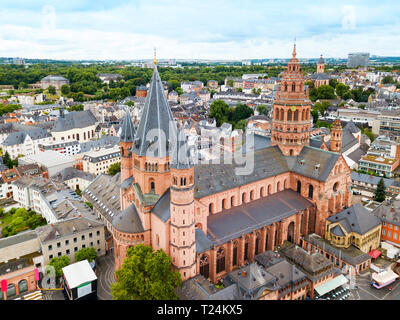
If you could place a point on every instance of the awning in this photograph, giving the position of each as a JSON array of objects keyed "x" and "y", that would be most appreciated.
[
  {"x": 331, "y": 285},
  {"x": 375, "y": 253}
]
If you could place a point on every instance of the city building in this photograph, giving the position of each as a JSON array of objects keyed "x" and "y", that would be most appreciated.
[
  {"x": 53, "y": 80},
  {"x": 200, "y": 214},
  {"x": 51, "y": 161},
  {"x": 20, "y": 255},
  {"x": 76, "y": 125},
  {"x": 67, "y": 237},
  {"x": 389, "y": 214},
  {"x": 358, "y": 59},
  {"x": 320, "y": 77},
  {"x": 69, "y": 148},
  {"x": 97, "y": 162}
]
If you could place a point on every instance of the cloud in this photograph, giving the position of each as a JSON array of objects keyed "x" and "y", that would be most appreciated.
[{"x": 217, "y": 29}]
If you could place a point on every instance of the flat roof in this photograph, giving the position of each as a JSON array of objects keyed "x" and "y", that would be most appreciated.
[
  {"x": 331, "y": 285},
  {"x": 78, "y": 273},
  {"x": 48, "y": 158}
]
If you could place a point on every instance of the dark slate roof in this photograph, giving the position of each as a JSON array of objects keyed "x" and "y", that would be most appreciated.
[
  {"x": 321, "y": 60},
  {"x": 128, "y": 129},
  {"x": 203, "y": 244},
  {"x": 15, "y": 138},
  {"x": 128, "y": 221},
  {"x": 312, "y": 158},
  {"x": 256, "y": 142},
  {"x": 268, "y": 258},
  {"x": 181, "y": 152},
  {"x": 162, "y": 207},
  {"x": 320, "y": 76},
  {"x": 356, "y": 218},
  {"x": 356, "y": 155},
  {"x": 71, "y": 172},
  {"x": 268, "y": 162},
  {"x": 155, "y": 122},
  {"x": 234, "y": 222},
  {"x": 75, "y": 119},
  {"x": 350, "y": 255},
  {"x": 348, "y": 140},
  {"x": 351, "y": 126},
  {"x": 127, "y": 183},
  {"x": 366, "y": 178},
  {"x": 18, "y": 238},
  {"x": 316, "y": 142},
  {"x": 213, "y": 178},
  {"x": 389, "y": 212},
  {"x": 337, "y": 231}
]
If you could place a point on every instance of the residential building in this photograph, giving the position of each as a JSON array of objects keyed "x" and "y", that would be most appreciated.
[
  {"x": 97, "y": 162},
  {"x": 358, "y": 59},
  {"x": 389, "y": 214},
  {"x": 69, "y": 148},
  {"x": 67, "y": 237}
]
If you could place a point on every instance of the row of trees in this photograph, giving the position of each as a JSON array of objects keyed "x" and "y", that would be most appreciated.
[{"x": 8, "y": 162}]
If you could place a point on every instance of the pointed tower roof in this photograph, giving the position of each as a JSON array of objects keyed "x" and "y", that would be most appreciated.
[
  {"x": 321, "y": 60},
  {"x": 128, "y": 129},
  {"x": 181, "y": 152},
  {"x": 153, "y": 133}
]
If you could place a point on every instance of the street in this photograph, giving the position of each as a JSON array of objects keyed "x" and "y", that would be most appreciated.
[
  {"x": 365, "y": 291},
  {"x": 105, "y": 276}
]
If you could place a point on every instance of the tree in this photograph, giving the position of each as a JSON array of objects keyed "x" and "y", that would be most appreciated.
[
  {"x": 380, "y": 193},
  {"x": 52, "y": 89},
  {"x": 89, "y": 254},
  {"x": 219, "y": 110},
  {"x": 58, "y": 263},
  {"x": 388, "y": 80},
  {"x": 65, "y": 90},
  {"x": 230, "y": 82},
  {"x": 114, "y": 169},
  {"x": 146, "y": 275},
  {"x": 89, "y": 205},
  {"x": 262, "y": 109}
]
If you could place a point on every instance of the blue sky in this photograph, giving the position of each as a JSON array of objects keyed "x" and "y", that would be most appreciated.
[{"x": 208, "y": 29}]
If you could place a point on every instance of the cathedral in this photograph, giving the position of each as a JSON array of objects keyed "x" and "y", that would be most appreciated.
[{"x": 210, "y": 220}]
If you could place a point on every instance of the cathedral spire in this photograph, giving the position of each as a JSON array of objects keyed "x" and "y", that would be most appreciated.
[
  {"x": 294, "y": 48},
  {"x": 155, "y": 57}
]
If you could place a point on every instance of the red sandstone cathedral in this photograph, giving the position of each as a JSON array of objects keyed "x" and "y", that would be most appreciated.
[{"x": 209, "y": 220}]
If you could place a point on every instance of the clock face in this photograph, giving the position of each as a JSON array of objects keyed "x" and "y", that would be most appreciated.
[{"x": 293, "y": 108}]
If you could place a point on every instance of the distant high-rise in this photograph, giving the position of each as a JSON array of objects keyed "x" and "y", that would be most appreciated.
[{"x": 358, "y": 59}]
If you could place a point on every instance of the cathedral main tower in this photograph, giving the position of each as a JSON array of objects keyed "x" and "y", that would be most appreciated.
[{"x": 292, "y": 108}]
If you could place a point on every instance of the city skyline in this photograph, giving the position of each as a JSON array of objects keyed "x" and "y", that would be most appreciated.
[{"x": 218, "y": 30}]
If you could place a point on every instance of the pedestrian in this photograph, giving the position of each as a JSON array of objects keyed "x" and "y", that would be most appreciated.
[{"x": 390, "y": 288}]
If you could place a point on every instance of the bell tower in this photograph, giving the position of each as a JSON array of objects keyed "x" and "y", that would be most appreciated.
[
  {"x": 182, "y": 225},
  {"x": 291, "y": 111},
  {"x": 321, "y": 65},
  {"x": 336, "y": 137}
]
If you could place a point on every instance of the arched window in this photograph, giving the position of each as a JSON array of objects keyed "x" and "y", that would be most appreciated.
[
  {"x": 290, "y": 236},
  {"x": 232, "y": 201},
  {"x": 298, "y": 186},
  {"x": 310, "y": 191},
  {"x": 152, "y": 187},
  {"x": 278, "y": 186},
  {"x": 290, "y": 115},
  {"x": 246, "y": 248},
  {"x": 11, "y": 292},
  {"x": 211, "y": 208},
  {"x": 257, "y": 248},
  {"x": 296, "y": 115},
  {"x": 204, "y": 266},
  {"x": 145, "y": 166},
  {"x": 23, "y": 286},
  {"x": 293, "y": 87},
  {"x": 282, "y": 115},
  {"x": 251, "y": 195},
  {"x": 244, "y": 197},
  {"x": 335, "y": 186},
  {"x": 223, "y": 204},
  {"x": 285, "y": 86},
  {"x": 284, "y": 184},
  {"x": 220, "y": 260},
  {"x": 235, "y": 254},
  {"x": 262, "y": 192},
  {"x": 269, "y": 189},
  {"x": 157, "y": 239}
]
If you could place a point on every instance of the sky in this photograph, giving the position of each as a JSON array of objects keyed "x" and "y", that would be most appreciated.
[{"x": 206, "y": 29}]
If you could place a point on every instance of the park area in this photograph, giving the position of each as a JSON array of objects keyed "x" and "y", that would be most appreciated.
[{"x": 17, "y": 220}]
